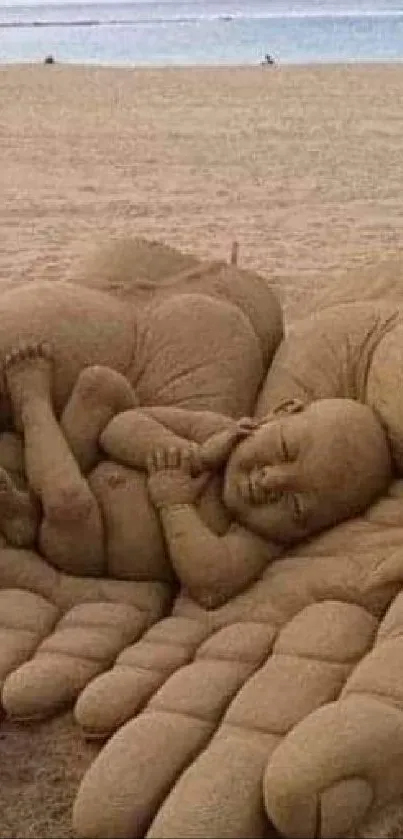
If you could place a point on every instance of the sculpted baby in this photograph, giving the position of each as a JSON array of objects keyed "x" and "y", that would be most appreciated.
[
  {"x": 276, "y": 481},
  {"x": 199, "y": 340},
  {"x": 228, "y": 494},
  {"x": 280, "y": 480}
]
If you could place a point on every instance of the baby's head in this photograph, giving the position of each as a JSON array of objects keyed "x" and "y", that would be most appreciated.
[{"x": 301, "y": 472}]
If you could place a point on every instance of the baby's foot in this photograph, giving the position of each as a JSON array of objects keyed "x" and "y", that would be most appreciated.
[
  {"x": 19, "y": 513},
  {"x": 28, "y": 371}
]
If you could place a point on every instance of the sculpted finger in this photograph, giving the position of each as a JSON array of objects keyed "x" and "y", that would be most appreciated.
[
  {"x": 117, "y": 696},
  {"x": 253, "y": 491},
  {"x": 25, "y": 620},
  {"x": 344, "y": 762},
  {"x": 160, "y": 459},
  {"x": 195, "y": 464},
  {"x": 185, "y": 461},
  {"x": 173, "y": 458},
  {"x": 200, "y": 482},
  {"x": 336, "y": 768},
  {"x": 246, "y": 425},
  {"x": 185, "y": 457},
  {"x": 151, "y": 464},
  {"x": 220, "y": 794},
  {"x": 244, "y": 489},
  {"x": 85, "y": 642},
  {"x": 265, "y": 479},
  {"x": 143, "y": 760},
  {"x": 257, "y": 492},
  {"x": 289, "y": 406}
]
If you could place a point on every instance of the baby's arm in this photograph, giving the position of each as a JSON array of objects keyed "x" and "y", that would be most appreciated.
[
  {"x": 131, "y": 435},
  {"x": 212, "y": 568}
]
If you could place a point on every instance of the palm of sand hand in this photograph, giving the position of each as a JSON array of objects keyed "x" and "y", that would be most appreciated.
[
  {"x": 230, "y": 709},
  {"x": 174, "y": 476},
  {"x": 78, "y": 627}
]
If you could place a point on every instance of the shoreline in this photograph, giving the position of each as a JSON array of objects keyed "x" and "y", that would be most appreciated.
[{"x": 278, "y": 65}]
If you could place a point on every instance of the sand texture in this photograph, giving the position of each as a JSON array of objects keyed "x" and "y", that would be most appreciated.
[{"x": 301, "y": 166}]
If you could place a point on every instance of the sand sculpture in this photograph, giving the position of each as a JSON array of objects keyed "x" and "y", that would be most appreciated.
[
  {"x": 56, "y": 379},
  {"x": 83, "y": 328},
  {"x": 233, "y": 699},
  {"x": 317, "y": 613}
]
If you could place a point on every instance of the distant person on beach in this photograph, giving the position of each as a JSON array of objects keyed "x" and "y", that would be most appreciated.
[{"x": 268, "y": 60}]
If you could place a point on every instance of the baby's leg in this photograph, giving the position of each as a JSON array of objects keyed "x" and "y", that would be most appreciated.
[
  {"x": 133, "y": 536},
  {"x": 98, "y": 395},
  {"x": 19, "y": 510},
  {"x": 19, "y": 513},
  {"x": 71, "y": 535}
]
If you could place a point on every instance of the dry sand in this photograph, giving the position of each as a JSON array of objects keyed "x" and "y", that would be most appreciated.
[{"x": 303, "y": 166}]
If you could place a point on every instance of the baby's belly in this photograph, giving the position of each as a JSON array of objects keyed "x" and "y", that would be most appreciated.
[{"x": 82, "y": 328}]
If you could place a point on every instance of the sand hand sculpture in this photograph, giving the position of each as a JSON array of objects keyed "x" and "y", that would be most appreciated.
[
  {"x": 287, "y": 645},
  {"x": 220, "y": 691},
  {"x": 192, "y": 762}
]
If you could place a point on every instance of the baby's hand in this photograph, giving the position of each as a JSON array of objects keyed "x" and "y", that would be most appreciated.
[
  {"x": 174, "y": 476},
  {"x": 215, "y": 452}
]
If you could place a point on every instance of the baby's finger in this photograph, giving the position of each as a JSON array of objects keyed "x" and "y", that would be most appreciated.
[
  {"x": 159, "y": 459},
  {"x": 244, "y": 488},
  {"x": 185, "y": 460},
  {"x": 245, "y": 425},
  {"x": 172, "y": 458},
  {"x": 195, "y": 459},
  {"x": 200, "y": 482},
  {"x": 150, "y": 463},
  {"x": 258, "y": 495}
]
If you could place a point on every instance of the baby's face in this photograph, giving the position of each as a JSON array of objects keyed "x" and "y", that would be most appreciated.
[{"x": 299, "y": 473}]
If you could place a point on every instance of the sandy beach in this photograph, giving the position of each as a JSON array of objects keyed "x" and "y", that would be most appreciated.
[{"x": 303, "y": 166}]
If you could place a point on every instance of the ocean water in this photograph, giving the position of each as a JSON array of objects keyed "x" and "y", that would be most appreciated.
[{"x": 163, "y": 32}]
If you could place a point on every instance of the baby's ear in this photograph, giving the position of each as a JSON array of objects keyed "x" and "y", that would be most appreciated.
[{"x": 289, "y": 406}]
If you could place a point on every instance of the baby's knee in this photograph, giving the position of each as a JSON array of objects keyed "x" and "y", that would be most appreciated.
[
  {"x": 69, "y": 504},
  {"x": 102, "y": 385}
]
